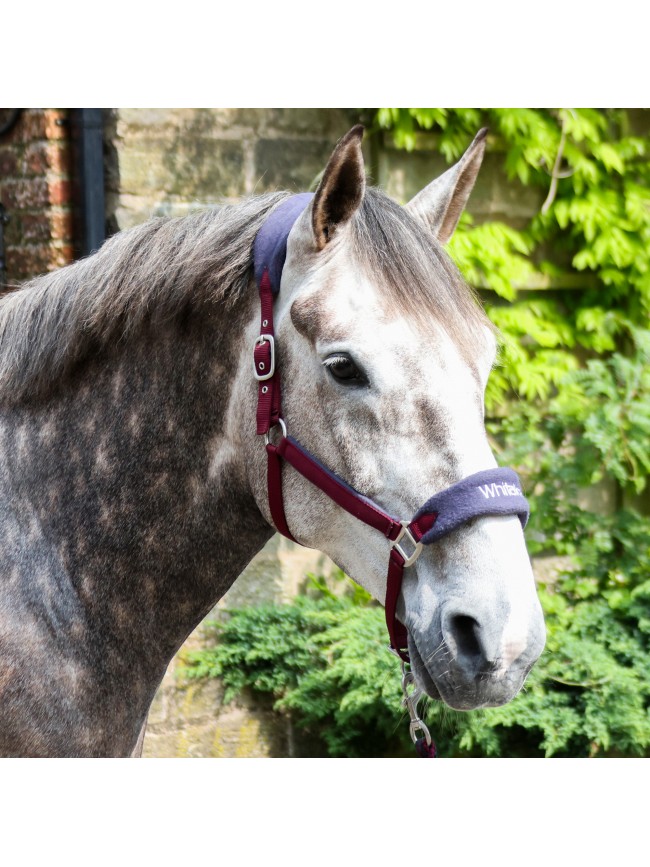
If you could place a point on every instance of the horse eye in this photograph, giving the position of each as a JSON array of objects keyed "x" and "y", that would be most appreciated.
[{"x": 343, "y": 369}]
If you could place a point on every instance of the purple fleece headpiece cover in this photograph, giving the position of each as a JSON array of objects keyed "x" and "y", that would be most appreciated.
[{"x": 270, "y": 248}]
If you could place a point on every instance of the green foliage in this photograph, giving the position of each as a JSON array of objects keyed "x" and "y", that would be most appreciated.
[
  {"x": 594, "y": 235},
  {"x": 324, "y": 661},
  {"x": 609, "y": 403}
]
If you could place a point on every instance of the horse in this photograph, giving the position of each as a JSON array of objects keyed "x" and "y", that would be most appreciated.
[{"x": 134, "y": 485}]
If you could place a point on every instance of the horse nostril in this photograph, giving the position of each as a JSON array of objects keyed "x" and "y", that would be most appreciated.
[
  {"x": 475, "y": 649},
  {"x": 464, "y": 631}
]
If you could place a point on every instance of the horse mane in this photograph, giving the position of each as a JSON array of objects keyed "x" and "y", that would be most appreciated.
[
  {"x": 166, "y": 267},
  {"x": 151, "y": 273}
]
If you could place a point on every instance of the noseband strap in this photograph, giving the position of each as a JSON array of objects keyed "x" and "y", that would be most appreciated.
[{"x": 490, "y": 492}]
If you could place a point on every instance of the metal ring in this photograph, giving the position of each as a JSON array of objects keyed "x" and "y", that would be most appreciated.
[
  {"x": 417, "y": 725},
  {"x": 267, "y": 438}
]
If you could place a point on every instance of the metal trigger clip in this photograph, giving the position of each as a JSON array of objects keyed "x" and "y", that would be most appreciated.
[{"x": 410, "y": 702}]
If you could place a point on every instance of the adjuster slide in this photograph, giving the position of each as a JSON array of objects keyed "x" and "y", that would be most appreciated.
[{"x": 409, "y": 559}]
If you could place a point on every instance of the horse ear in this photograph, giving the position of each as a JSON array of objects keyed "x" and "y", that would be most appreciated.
[
  {"x": 341, "y": 189},
  {"x": 441, "y": 203}
]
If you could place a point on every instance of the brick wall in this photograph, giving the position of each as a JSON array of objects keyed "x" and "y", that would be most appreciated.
[{"x": 36, "y": 190}]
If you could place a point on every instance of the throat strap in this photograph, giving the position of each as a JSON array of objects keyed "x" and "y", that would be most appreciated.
[{"x": 336, "y": 489}]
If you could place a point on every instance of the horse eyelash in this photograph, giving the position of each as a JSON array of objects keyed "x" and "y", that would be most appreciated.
[{"x": 333, "y": 359}]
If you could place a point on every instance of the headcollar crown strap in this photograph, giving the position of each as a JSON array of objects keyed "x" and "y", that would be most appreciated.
[{"x": 270, "y": 248}]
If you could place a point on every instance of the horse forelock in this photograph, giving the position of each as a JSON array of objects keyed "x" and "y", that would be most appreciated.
[
  {"x": 151, "y": 273},
  {"x": 413, "y": 272}
]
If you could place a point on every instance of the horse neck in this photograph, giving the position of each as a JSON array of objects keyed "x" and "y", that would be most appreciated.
[{"x": 131, "y": 490}]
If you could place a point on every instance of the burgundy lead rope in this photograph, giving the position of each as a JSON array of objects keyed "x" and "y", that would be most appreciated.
[{"x": 490, "y": 492}]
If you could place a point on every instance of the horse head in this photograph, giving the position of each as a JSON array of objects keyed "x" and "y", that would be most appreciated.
[{"x": 384, "y": 356}]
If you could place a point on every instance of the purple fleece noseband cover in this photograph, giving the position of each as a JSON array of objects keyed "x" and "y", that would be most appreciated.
[{"x": 490, "y": 492}]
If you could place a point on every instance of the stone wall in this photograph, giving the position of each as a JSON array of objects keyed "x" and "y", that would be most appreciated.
[{"x": 168, "y": 161}]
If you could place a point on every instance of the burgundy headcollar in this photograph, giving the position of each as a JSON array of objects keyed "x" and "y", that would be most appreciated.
[{"x": 490, "y": 492}]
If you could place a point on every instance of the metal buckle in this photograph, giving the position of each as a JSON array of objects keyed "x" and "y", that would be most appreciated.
[
  {"x": 264, "y": 338},
  {"x": 409, "y": 559}
]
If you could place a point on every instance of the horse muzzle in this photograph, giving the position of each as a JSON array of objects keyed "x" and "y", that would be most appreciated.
[{"x": 475, "y": 652}]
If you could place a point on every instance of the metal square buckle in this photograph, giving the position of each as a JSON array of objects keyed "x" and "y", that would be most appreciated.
[
  {"x": 409, "y": 559},
  {"x": 260, "y": 366}
]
